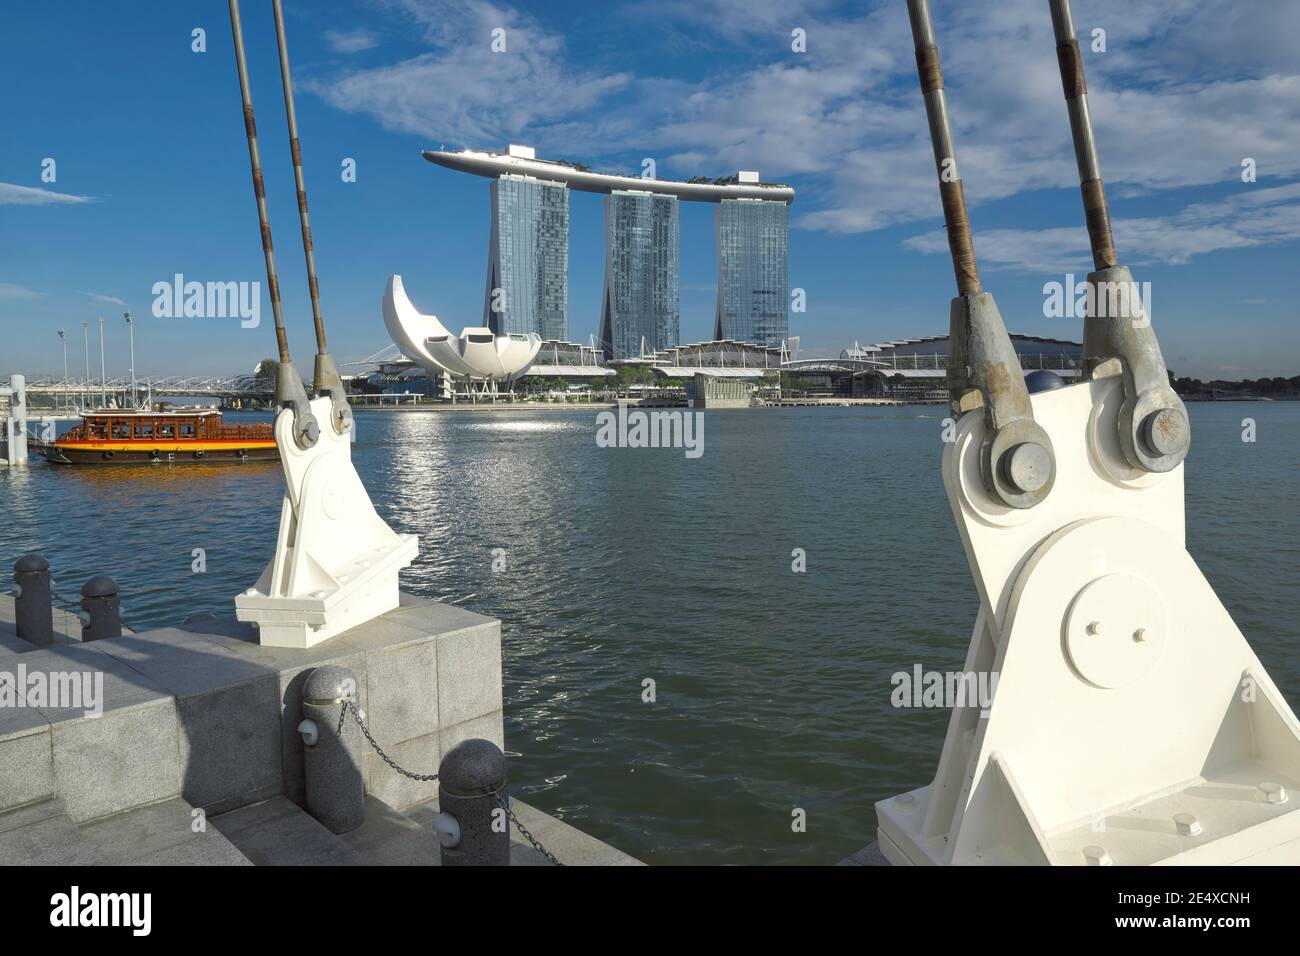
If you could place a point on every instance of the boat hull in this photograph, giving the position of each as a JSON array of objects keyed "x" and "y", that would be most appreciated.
[{"x": 206, "y": 453}]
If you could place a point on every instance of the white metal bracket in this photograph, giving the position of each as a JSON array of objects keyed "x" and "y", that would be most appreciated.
[
  {"x": 336, "y": 561},
  {"x": 1132, "y": 723}
]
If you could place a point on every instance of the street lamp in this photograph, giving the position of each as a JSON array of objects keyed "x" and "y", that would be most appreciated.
[
  {"x": 130, "y": 327},
  {"x": 103, "y": 369},
  {"x": 85, "y": 329},
  {"x": 63, "y": 337}
]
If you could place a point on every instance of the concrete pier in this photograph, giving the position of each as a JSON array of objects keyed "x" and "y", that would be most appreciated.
[{"x": 195, "y": 756}]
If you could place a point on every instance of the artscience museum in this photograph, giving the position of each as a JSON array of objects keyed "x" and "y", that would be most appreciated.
[{"x": 478, "y": 355}]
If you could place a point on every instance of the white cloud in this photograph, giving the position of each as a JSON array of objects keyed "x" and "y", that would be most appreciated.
[
  {"x": 1184, "y": 92},
  {"x": 462, "y": 91},
  {"x": 14, "y": 195},
  {"x": 17, "y": 293},
  {"x": 109, "y": 299},
  {"x": 351, "y": 41},
  {"x": 1254, "y": 218}
]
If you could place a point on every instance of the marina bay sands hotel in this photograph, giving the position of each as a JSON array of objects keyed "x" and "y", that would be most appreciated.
[{"x": 528, "y": 259}]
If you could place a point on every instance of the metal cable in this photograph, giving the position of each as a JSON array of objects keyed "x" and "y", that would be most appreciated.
[
  {"x": 259, "y": 187},
  {"x": 295, "y": 150}
]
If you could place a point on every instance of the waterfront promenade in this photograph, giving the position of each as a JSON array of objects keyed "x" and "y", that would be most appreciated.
[{"x": 195, "y": 756}]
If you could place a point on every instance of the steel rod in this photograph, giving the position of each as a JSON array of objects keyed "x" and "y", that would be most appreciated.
[
  {"x": 1075, "y": 86},
  {"x": 259, "y": 188},
  {"x": 295, "y": 150},
  {"x": 951, "y": 191}
]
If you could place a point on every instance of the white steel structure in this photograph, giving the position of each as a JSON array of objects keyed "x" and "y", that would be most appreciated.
[
  {"x": 336, "y": 561},
  {"x": 1131, "y": 723},
  {"x": 477, "y": 354}
]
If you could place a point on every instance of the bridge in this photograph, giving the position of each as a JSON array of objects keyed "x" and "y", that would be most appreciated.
[
  {"x": 921, "y": 366},
  {"x": 222, "y": 387},
  {"x": 81, "y": 392}
]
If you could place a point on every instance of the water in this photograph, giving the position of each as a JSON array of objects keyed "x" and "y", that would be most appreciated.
[{"x": 772, "y": 688}]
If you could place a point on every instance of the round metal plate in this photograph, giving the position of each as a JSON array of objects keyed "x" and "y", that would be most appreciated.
[
  {"x": 334, "y": 498},
  {"x": 1115, "y": 630}
]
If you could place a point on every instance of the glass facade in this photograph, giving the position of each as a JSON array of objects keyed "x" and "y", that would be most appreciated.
[
  {"x": 753, "y": 271},
  {"x": 528, "y": 258},
  {"x": 640, "y": 303}
]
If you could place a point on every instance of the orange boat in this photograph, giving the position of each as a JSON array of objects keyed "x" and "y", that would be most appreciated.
[{"x": 120, "y": 436}]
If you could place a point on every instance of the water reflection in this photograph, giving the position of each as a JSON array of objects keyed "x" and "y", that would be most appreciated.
[{"x": 622, "y": 565}]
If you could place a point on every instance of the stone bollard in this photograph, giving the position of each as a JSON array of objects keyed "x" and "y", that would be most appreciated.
[
  {"x": 101, "y": 614},
  {"x": 336, "y": 790},
  {"x": 470, "y": 777},
  {"x": 33, "y": 610}
]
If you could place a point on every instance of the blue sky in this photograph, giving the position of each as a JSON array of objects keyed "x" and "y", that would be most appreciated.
[{"x": 152, "y": 172}]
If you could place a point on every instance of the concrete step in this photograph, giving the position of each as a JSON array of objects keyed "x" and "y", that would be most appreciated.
[
  {"x": 570, "y": 845},
  {"x": 278, "y": 832},
  {"x": 161, "y": 834},
  {"x": 168, "y": 833},
  {"x": 41, "y": 834},
  {"x": 274, "y": 832},
  {"x": 391, "y": 838}
]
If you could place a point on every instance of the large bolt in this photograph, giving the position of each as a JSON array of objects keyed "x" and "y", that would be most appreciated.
[
  {"x": 1272, "y": 793},
  {"x": 1096, "y": 856},
  {"x": 1027, "y": 467},
  {"x": 1164, "y": 431}
]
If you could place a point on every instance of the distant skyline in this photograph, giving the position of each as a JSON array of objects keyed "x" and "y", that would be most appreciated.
[{"x": 150, "y": 177}]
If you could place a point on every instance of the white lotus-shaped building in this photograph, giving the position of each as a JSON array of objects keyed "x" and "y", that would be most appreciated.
[{"x": 478, "y": 353}]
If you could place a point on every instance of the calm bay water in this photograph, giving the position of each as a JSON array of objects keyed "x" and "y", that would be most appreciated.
[{"x": 772, "y": 687}]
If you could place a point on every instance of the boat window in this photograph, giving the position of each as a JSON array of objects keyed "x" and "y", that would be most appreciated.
[
  {"x": 97, "y": 427},
  {"x": 121, "y": 429},
  {"x": 144, "y": 429},
  {"x": 166, "y": 430},
  {"x": 186, "y": 429}
]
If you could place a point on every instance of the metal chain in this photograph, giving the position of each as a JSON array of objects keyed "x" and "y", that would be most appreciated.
[
  {"x": 75, "y": 608},
  {"x": 502, "y": 802},
  {"x": 67, "y": 605},
  {"x": 523, "y": 830},
  {"x": 356, "y": 715}
]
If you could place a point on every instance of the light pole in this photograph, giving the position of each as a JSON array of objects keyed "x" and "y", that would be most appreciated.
[
  {"x": 130, "y": 328},
  {"x": 103, "y": 369},
  {"x": 85, "y": 329},
  {"x": 63, "y": 337}
]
